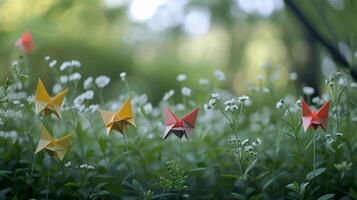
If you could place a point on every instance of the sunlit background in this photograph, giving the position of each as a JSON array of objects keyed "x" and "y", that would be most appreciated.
[{"x": 155, "y": 40}]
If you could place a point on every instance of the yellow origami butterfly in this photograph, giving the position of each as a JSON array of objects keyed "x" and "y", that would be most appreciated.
[
  {"x": 120, "y": 119},
  {"x": 56, "y": 147},
  {"x": 47, "y": 105}
]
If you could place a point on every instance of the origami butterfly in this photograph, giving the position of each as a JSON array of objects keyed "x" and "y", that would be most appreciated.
[
  {"x": 25, "y": 43},
  {"x": 56, "y": 147},
  {"x": 315, "y": 119},
  {"x": 180, "y": 127},
  {"x": 47, "y": 105},
  {"x": 120, "y": 119}
]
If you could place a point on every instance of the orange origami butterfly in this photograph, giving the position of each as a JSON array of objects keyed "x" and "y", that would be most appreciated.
[
  {"x": 56, "y": 147},
  {"x": 315, "y": 119},
  {"x": 25, "y": 43},
  {"x": 180, "y": 127},
  {"x": 118, "y": 120},
  {"x": 47, "y": 105}
]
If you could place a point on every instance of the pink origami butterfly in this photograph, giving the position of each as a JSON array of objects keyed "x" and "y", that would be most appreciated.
[
  {"x": 180, "y": 127},
  {"x": 314, "y": 119}
]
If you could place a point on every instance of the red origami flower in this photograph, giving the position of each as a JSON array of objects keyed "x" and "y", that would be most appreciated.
[
  {"x": 25, "y": 43},
  {"x": 314, "y": 119}
]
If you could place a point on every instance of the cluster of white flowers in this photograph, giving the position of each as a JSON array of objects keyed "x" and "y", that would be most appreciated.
[
  {"x": 331, "y": 80},
  {"x": 186, "y": 91},
  {"x": 219, "y": 75},
  {"x": 88, "y": 83},
  {"x": 102, "y": 81},
  {"x": 181, "y": 77},
  {"x": 79, "y": 100},
  {"x": 70, "y": 64},
  {"x": 212, "y": 102},
  {"x": 245, "y": 146},
  {"x": 10, "y": 114},
  {"x": 75, "y": 77},
  {"x": 331, "y": 138},
  {"x": 52, "y": 63},
  {"x": 203, "y": 81},
  {"x": 308, "y": 90},
  {"x": 122, "y": 76},
  {"x": 86, "y": 166}
]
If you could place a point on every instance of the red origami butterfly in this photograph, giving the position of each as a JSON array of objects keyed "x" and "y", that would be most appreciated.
[
  {"x": 315, "y": 119},
  {"x": 25, "y": 43},
  {"x": 180, "y": 127}
]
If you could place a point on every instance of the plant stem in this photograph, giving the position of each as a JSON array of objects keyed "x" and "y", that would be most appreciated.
[
  {"x": 38, "y": 140},
  {"x": 181, "y": 153},
  {"x": 48, "y": 179},
  {"x": 129, "y": 158},
  {"x": 294, "y": 130},
  {"x": 313, "y": 185}
]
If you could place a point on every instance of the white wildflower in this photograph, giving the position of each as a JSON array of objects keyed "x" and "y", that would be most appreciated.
[
  {"x": 63, "y": 79},
  {"x": 260, "y": 77},
  {"x": 53, "y": 63},
  {"x": 76, "y": 63},
  {"x": 215, "y": 95},
  {"x": 93, "y": 108},
  {"x": 88, "y": 83},
  {"x": 180, "y": 106},
  {"x": 293, "y": 76},
  {"x": 168, "y": 94},
  {"x": 316, "y": 100},
  {"x": 203, "y": 81},
  {"x": 88, "y": 94},
  {"x": 56, "y": 88},
  {"x": 75, "y": 77},
  {"x": 353, "y": 85},
  {"x": 186, "y": 91},
  {"x": 122, "y": 76},
  {"x": 148, "y": 108},
  {"x": 308, "y": 90},
  {"x": 206, "y": 107},
  {"x": 212, "y": 102},
  {"x": 266, "y": 90},
  {"x": 280, "y": 104},
  {"x": 68, "y": 164},
  {"x": 245, "y": 142},
  {"x": 243, "y": 98},
  {"x": 219, "y": 75},
  {"x": 102, "y": 81},
  {"x": 47, "y": 58},
  {"x": 181, "y": 77}
]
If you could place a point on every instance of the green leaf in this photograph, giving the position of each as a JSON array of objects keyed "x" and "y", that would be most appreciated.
[
  {"x": 315, "y": 173},
  {"x": 231, "y": 176},
  {"x": 103, "y": 145},
  {"x": 197, "y": 169},
  {"x": 5, "y": 173},
  {"x": 159, "y": 196},
  {"x": 294, "y": 187},
  {"x": 266, "y": 185},
  {"x": 326, "y": 197},
  {"x": 3, "y": 192},
  {"x": 245, "y": 175}
]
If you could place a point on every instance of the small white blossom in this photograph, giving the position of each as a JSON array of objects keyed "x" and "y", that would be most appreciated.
[
  {"x": 122, "y": 76},
  {"x": 93, "y": 108},
  {"x": 308, "y": 90},
  {"x": 215, "y": 95},
  {"x": 207, "y": 107},
  {"x": 266, "y": 90},
  {"x": 102, "y": 81},
  {"x": 148, "y": 108},
  {"x": 88, "y": 83},
  {"x": 353, "y": 85},
  {"x": 203, "y": 81},
  {"x": 243, "y": 98},
  {"x": 280, "y": 104},
  {"x": 63, "y": 79},
  {"x": 68, "y": 164},
  {"x": 293, "y": 76},
  {"x": 53, "y": 63},
  {"x": 219, "y": 75},
  {"x": 212, "y": 102},
  {"x": 47, "y": 58},
  {"x": 168, "y": 94},
  {"x": 88, "y": 94},
  {"x": 181, "y": 77},
  {"x": 75, "y": 77},
  {"x": 260, "y": 77},
  {"x": 316, "y": 100},
  {"x": 56, "y": 88},
  {"x": 186, "y": 91},
  {"x": 180, "y": 106}
]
